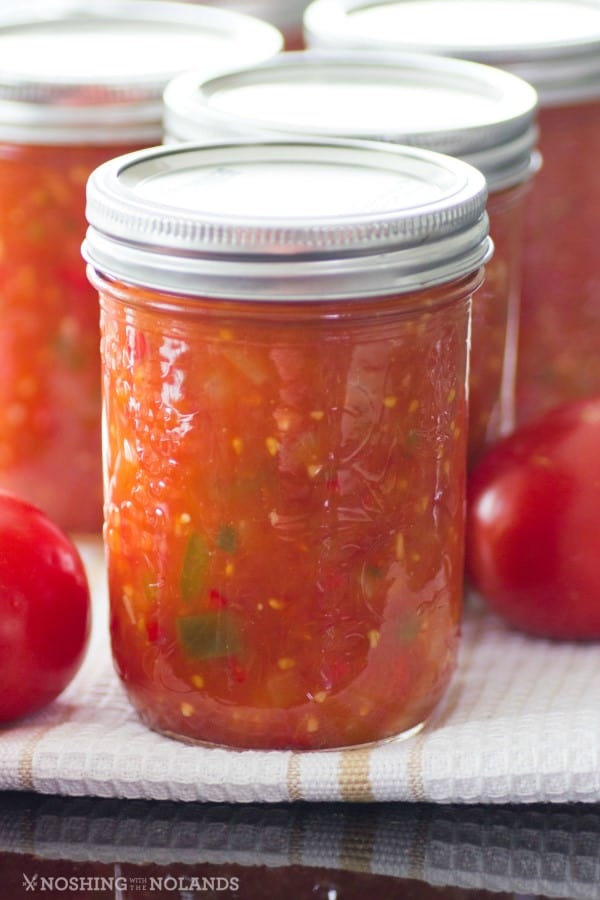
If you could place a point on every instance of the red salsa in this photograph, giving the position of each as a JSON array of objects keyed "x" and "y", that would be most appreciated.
[
  {"x": 50, "y": 449},
  {"x": 284, "y": 511},
  {"x": 494, "y": 328},
  {"x": 559, "y": 346}
]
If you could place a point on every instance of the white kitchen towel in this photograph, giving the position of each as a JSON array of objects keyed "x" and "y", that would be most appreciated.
[{"x": 519, "y": 724}]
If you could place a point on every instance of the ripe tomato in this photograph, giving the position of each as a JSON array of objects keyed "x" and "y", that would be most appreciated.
[
  {"x": 44, "y": 608},
  {"x": 533, "y": 524}
]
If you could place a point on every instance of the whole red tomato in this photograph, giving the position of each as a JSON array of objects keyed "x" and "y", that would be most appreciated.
[
  {"x": 44, "y": 608},
  {"x": 533, "y": 524}
]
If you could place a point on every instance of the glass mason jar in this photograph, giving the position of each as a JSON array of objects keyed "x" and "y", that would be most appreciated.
[
  {"x": 286, "y": 15},
  {"x": 80, "y": 82},
  {"x": 556, "y": 47},
  {"x": 285, "y": 340},
  {"x": 481, "y": 114}
]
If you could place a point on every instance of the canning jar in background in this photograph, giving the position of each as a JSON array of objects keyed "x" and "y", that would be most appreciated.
[
  {"x": 481, "y": 114},
  {"x": 285, "y": 341},
  {"x": 286, "y": 15},
  {"x": 555, "y": 45},
  {"x": 80, "y": 82}
]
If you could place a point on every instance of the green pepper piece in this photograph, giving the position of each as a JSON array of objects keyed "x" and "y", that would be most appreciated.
[
  {"x": 195, "y": 567},
  {"x": 227, "y": 538},
  {"x": 209, "y": 635},
  {"x": 413, "y": 439}
]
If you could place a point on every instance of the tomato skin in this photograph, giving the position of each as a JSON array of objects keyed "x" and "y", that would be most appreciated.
[
  {"x": 45, "y": 611},
  {"x": 533, "y": 516}
]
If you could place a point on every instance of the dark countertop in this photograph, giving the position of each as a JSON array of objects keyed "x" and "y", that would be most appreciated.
[{"x": 80, "y": 847}]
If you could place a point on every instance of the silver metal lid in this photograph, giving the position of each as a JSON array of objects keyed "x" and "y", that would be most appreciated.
[
  {"x": 93, "y": 71},
  {"x": 479, "y": 113},
  {"x": 554, "y": 44},
  {"x": 272, "y": 220}
]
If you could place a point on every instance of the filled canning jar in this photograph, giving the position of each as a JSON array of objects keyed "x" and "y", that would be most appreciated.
[
  {"x": 286, "y": 16},
  {"x": 556, "y": 47},
  {"x": 80, "y": 83},
  {"x": 284, "y": 341},
  {"x": 480, "y": 114}
]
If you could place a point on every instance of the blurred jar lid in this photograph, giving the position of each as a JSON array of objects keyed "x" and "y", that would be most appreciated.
[
  {"x": 289, "y": 219},
  {"x": 554, "y": 44},
  {"x": 93, "y": 71},
  {"x": 479, "y": 113}
]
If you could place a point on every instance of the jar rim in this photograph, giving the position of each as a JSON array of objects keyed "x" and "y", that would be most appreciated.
[
  {"x": 562, "y": 62},
  {"x": 479, "y": 113},
  {"x": 286, "y": 219},
  {"x": 56, "y": 86}
]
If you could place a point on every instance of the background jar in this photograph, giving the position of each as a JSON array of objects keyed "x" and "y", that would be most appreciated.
[
  {"x": 556, "y": 47},
  {"x": 285, "y": 329},
  {"x": 286, "y": 15},
  {"x": 481, "y": 114},
  {"x": 80, "y": 82}
]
